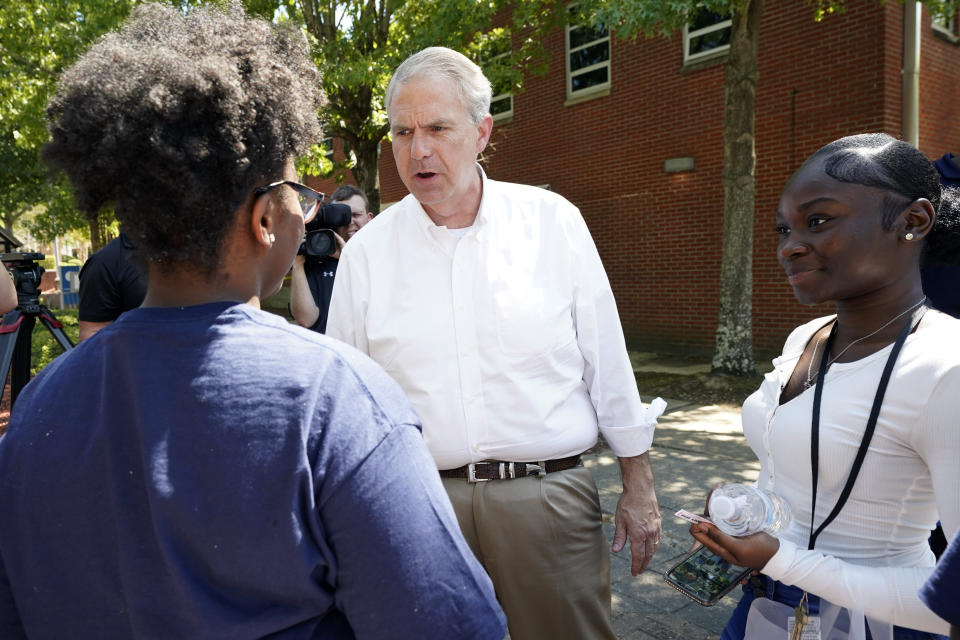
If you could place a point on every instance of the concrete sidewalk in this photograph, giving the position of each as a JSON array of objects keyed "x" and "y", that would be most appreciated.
[{"x": 695, "y": 447}]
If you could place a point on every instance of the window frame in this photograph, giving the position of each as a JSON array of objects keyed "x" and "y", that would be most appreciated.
[
  {"x": 328, "y": 150},
  {"x": 503, "y": 115},
  {"x": 701, "y": 55},
  {"x": 948, "y": 28},
  {"x": 598, "y": 89}
]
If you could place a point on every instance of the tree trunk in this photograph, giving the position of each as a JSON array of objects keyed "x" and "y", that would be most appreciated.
[
  {"x": 734, "y": 346},
  {"x": 97, "y": 233},
  {"x": 366, "y": 171}
]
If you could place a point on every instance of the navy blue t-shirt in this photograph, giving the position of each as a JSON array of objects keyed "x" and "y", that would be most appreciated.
[
  {"x": 941, "y": 593},
  {"x": 215, "y": 472}
]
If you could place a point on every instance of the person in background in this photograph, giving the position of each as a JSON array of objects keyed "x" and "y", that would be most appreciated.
[
  {"x": 215, "y": 471},
  {"x": 488, "y": 303},
  {"x": 854, "y": 222},
  {"x": 8, "y": 293},
  {"x": 949, "y": 170},
  {"x": 941, "y": 284},
  {"x": 311, "y": 282},
  {"x": 941, "y": 281},
  {"x": 110, "y": 284},
  {"x": 359, "y": 207},
  {"x": 942, "y": 591}
]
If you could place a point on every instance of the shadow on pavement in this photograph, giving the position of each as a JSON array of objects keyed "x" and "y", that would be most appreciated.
[{"x": 695, "y": 447}]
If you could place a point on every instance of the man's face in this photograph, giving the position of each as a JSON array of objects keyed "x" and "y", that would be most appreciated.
[
  {"x": 359, "y": 215},
  {"x": 435, "y": 145}
]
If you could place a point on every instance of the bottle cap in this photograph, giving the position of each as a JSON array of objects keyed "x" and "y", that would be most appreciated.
[{"x": 722, "y": 507}]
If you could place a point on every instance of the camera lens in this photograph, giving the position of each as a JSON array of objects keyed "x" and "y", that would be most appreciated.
[{"x": 320, "y": 243}]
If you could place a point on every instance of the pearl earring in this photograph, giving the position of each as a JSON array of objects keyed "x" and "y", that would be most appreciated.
[
  {"x": 908, "y": 236},
  {"x": 272, "y": 238}
]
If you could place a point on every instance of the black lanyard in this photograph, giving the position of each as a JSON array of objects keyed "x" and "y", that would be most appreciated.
[{"x": 867, "y": 434}]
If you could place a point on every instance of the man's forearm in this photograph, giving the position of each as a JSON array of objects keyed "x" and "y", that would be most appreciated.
[
  {"x": 638, "y": 515},
  {"x": 636, "y": 472},
  {"x": 305, "y": 311},
  {"x": 87, "y": 328}
]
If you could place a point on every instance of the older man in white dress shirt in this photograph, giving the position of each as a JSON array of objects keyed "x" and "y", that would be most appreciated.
[{"x": 488, "y": 303}]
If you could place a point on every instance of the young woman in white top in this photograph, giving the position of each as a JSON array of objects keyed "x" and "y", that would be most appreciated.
[{"x": 855, "y": 222}]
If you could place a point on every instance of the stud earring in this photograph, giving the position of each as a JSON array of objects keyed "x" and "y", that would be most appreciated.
[
  {"x": 908, "y": 236},
  {"x": 272, "y": 238}
]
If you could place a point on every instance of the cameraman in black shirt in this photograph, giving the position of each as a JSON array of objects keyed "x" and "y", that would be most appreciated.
[
  {"x": 311, "y": 282},
  {"x": 110, "y": 284}
]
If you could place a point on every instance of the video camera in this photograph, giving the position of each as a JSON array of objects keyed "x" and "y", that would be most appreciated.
[
  {"x": 26, "y": 275},
  {"x": 17, "y": 325},
  {"x": 320, "y": 241}
]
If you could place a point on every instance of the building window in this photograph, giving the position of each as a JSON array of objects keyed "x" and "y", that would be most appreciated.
[
  {"x": 707, "y": 35},
  {"x": 327, "y": 145},
  {"x": 946, "y": 25},
  {"x": 501, "y": 104},
  {"x": 588, "y": 59}
]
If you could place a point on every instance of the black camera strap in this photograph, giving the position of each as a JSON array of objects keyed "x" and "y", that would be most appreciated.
[{"x": 868, "y": 432}]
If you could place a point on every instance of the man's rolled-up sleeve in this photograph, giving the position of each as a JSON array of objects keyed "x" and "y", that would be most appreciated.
[{"x": 626, "y": 425}]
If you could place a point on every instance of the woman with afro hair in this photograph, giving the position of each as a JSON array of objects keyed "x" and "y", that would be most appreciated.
[{"x": 201, "y": 468}]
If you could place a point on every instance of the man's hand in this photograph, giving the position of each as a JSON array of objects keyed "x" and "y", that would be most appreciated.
[
  {"x": 340, "y": 242},
  {"x": 752, "y": 551},
  {"x": 638, "y": 515}
]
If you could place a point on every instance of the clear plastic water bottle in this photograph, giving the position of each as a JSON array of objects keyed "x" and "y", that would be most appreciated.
[{"x": 742, "y": 510}]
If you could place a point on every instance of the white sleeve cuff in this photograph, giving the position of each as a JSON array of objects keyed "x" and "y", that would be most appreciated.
[
  {"x": 631, "y": 441},
  {"x": 779, "y": 565}
]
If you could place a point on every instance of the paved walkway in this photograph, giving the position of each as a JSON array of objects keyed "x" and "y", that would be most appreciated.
[{"x": 694, "y": 448}]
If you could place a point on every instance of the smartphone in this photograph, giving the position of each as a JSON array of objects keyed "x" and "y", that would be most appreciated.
[{"x": 704, "y": 576}]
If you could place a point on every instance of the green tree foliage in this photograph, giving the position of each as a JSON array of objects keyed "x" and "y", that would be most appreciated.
[
  {"x": 358, "y": 44},
  {"x": 38, "y": 39},
  {"x": 633, "y": 18}
]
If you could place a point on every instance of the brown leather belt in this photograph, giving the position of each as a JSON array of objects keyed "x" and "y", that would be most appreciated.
[{"x": 501, "y": 470}]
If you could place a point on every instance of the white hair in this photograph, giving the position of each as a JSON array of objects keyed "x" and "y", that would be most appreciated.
[{"x": 472, "y": 85}]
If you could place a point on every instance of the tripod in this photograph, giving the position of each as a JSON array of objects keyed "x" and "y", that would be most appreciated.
[{"x": 16, "y": 329}]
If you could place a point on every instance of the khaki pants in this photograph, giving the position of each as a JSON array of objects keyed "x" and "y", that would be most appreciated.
[{"x": 541, "y": 542}]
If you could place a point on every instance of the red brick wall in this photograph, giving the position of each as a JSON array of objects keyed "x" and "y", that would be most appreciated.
[
  {"x": 659, "y": 234},
  {"x": 818, "y": 82},
  {"x": 939, "y": 93}
]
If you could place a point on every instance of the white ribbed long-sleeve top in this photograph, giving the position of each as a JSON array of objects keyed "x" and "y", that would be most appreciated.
[{"x": 875, "y": 555}]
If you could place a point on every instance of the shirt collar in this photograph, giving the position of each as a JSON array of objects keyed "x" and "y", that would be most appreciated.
[{"x": 430, "y": 228}]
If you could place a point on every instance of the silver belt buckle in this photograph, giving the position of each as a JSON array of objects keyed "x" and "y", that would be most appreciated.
[
  {"x": 540, "y": 468},
  {"x": 507, "y": 470},
  {"x": 472, "y": 473}
]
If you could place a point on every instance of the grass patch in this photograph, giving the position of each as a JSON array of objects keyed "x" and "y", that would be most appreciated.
[
  {"x": 43, "y": 347},
  {"x": 702, "y": 388}
]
